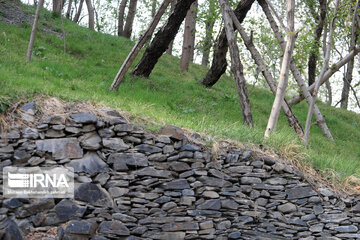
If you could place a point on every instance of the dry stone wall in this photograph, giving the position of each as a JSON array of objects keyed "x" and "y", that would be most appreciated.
[{"x": 132, "y": 184}]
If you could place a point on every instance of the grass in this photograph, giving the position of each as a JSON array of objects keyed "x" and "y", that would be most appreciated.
[{"x": 169, "y": 96}]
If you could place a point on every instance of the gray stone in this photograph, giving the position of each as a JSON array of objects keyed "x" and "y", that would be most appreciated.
[
  {"x": 214, "y": 182},
  {"x": 148, "y": 148},
  {"x": 117, "y": 191},
  {"x": 9, "y": 230},
  {"x": 34, "y": 161},
  {"x": 300, "y": 192},
  {"x": 326, "y": 192},
  {"x": 93, "y": 194},
  {"x": 179, "y": 166},
  {"x": 287, "y": 208},
  {"x": 168, "y": 235},
  {"x": 223, "y": 225},
  {"x": 206, "y": 225},
  {"x": 210, "y": 194},
  {"x": 346, "y": 229},
  {"x": 131, "y": 159},
  {"x": 180, "y": 226},
  {"x": 116, "y": 144},
  {"x": 90, "y": 141},
  {"x": 189, "y": 147},
  {"x": 54, "y": 120},
  {"x": 113, "y": 227},
  {"x": 124, "y": 128},
  {"x": 60, "y": 148},
  {"x": 102, "y": 178},
  {"x": 234, "y": 235},
  {"x": 106, "y": 133},
  {"x": 36, "y": 206},
  {"x": 212, "y": 204},
  {"x": 241, "y": 169},
  {"x": 277, "y": 181},
  {"x": 83, "y": 118},
  {"x": 81, "y": 227},
  {"x": 51, "y": 133},
  {"x": 219, "y": 174},
  {"x": 91, "y": 163},
  {"x": 178, "y": 184},
  {"x": 30, "y": 133},
  {"x": 250, "y": 180},
  {"x": 333, "y": 218},
  {"x": 12, "y": 203},
  {"x": 229, "y": 204},
  {"x": 123, "y": 217},
  {"x": 67, "y": 209},
  {"x": 317, "y": 227},
  {"x": 152, "y": 172}
]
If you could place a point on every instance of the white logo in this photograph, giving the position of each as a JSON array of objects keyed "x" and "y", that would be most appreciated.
[{"x": 38, "y": 182}]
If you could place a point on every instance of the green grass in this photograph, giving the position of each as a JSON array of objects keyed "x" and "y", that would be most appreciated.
[{"x": 169, "y": 96}]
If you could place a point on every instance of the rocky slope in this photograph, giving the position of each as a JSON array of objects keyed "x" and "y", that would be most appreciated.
[{"x": 132, "y": 184}]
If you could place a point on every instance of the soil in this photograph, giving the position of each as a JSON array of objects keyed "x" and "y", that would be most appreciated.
[{"x": 11, "y": 13}]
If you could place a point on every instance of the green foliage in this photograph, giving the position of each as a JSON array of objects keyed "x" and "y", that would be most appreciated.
[{"x": 169, "y": 96}]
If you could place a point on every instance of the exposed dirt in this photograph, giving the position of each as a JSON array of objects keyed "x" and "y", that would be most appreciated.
[{"x": 11, "y": 13}]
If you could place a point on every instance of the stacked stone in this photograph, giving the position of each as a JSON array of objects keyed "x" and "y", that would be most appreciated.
[{"x": 131, "y": 184}]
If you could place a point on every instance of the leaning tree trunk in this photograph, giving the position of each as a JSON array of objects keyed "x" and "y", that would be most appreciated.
[
  {"x": 136, "y": 49},
  {"x": 130, "y": 19},
  {"x": 69, "y": 9},
  {"x": 153, "y": 7},
  {"x": 91, "y": 14},
  {"x": 295, "y": 71},
  {"x": 219, "y": 64},
  {"x": 162, "y": 39},
  {"x": 189, "y": 39},
  {"x": 236, "y": 66},
  {"x": 78, "y": 13},
  {"x": 316, "y": 44},
  {"x": 33, "y": 31},
  {"x": 170, "y": 48},
  {"x": 255, "y": 54},
  {"x": 284, "y": 73},
  {"x": 121, "y": 17}
]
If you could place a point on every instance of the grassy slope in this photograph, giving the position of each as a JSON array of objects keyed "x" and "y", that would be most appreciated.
[{"x": 169, "y": 96}]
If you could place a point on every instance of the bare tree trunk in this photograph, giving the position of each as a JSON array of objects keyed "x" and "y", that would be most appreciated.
[
  {"x": 170, "y": 48},
  {"x": 350, "y": 66},
  {"x": 136, "y": 49},
  {"x": 55, "y": 4},
  {"x": 316, "y": 44},
  {"x": 162, "y": 39},
  {"x": 121, "y": 17},
  {"x": 209, "y": 28},
  {"x": 284, "y": 73},
  {"x": 69, "y": 9},
  {"x": 91, "y": 14},
  {"x": 317, "y": 83},
  {"x": 255, "y": 54},
  {"x": 130, "y": 19},
  {"x": 219, "y": 64},
  {"x": 189, "y": 39},
  {"x": 33, "y": 31},
  {"x": 77, "y": 15},
  {"x": 295, "y": 71},
  {"x": 236, "y": 66}
]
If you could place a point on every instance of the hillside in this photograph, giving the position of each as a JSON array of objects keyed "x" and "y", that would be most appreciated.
[{"x": 86, "y": 70}]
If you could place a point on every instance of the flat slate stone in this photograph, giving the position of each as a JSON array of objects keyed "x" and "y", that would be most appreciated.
[
  {"x": 168, "y": 235},
  {"x": 148, "y": 148},
  {"x": 116, "y": 144},
  {"x": 132, "y": 159},
  {"x": 81, "y": 227},
  {"x": 93, "y": 194},
  {"x": 113, "y": 227},
  {"x": 91, "y": 163},
  {"x": 180, "y": 226},
  {"x": 213, "y": 204},
  {"x": 67, "y": 209},
  {"x": 300, "y": 192},
  {"x": 333, "y": 218},
  {"x": 178, "y": 184},
  {"x": 152, "y": 172},
  {"x": 214, "y": 182},
  {"x": 84, "y": 118},
  {"x": 60, "y": 148},
  {"x": 90, "y": 141}
]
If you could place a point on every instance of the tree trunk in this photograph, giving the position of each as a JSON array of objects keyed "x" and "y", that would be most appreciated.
[
  {"x": 236, "y": 66},
  {"x": 209, "y": 28},
  {"x": 350, "y": 66},
  {"x": 323, "y": 70},
  {"x": 130, "y": 19},
  {"x": 69, "y": 9},
  {"x": 121, "y": 17},
  {"x": 189, "y": 39},
  {"x": 77, "y": 15},
  {"x": 219, "y": 64},
  {"x": 284, "y": 73},
  {"x": 170, "y": 48},
  {"x": 316, "y": 44},
  {"x": 136, "y": 49},
  {"x": 162, "y": 39},
  {"x": 55, "y": 4},
  {"x": 255, "y": 54},
  {"x": 91, "y": 14},
  {"x": 295, "y": 71},
  {"x": 33, "y": 31}
]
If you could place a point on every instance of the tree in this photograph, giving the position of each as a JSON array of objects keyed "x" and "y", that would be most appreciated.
[
  {"x": 170, "y": 47},
  {"x": 91, "y": 14},
  {"x": 33, "y": 31},
  {"x": 162, "y": 39},
  {"x": 219, "y": 64},
  {"x": 209, "y": 16},
  {"x": 136, "y": 49},
  {"x": 284, "y": 73},
  {"x": 77, "y": 15},
  {"x": 236, "y": 65},
  {"x": 189, "y": 39},
  {"x": 69, "y": 9},
  {"x": 350, "y": 66},
  {"x": 130, "y": 19},
  {"x": 121, "y": 17}
]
